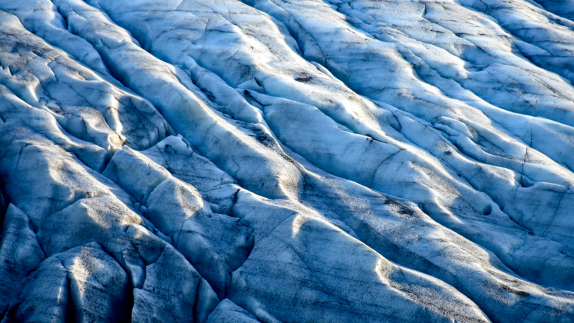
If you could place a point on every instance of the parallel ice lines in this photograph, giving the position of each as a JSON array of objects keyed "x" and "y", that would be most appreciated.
[
  {"x": 117, "y": 13},
  {"x": 238, "y": 46},
  {"x": 215, "y": 136}
]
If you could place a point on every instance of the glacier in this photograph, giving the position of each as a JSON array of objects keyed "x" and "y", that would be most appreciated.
[{"x": 287, "y": 161}]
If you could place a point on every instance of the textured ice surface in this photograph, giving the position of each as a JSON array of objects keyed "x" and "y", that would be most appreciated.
[{"x": 286, "y": 161}]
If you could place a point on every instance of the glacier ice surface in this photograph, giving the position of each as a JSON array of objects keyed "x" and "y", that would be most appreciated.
[{"x": 286, "y": 161}]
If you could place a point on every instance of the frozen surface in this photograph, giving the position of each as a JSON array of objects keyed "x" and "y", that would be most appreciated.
[{"x": 286, "y": 161}]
